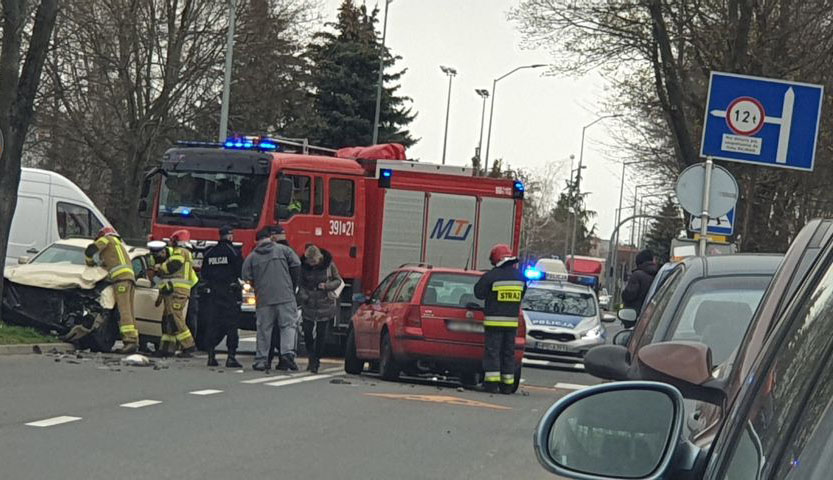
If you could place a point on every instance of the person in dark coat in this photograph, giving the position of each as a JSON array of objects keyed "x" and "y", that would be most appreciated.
[
  {"x": 633, "y": 296},
  {"x": 318, "y": 300}
]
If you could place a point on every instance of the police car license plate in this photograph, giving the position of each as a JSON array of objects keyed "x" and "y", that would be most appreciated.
[
  {"x": 468, "y": 327},
  {"x": 552, "y": 347}
]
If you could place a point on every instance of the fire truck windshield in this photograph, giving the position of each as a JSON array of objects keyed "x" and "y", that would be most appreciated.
[{"x": 211, "y": 199}]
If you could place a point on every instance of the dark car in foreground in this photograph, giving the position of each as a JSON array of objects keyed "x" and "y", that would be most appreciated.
[
  {"x": 422, "y": 319},
  {"x": 777, "y": 391}
]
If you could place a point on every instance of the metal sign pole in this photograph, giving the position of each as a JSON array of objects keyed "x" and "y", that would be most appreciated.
[{"x": 704, "y": 217}]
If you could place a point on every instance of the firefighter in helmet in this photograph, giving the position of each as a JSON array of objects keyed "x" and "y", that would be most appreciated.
[
  {"x": 502, "y": 288},
  {"x": 174, "y": 265},
  {"x": 114, "y": 258}
]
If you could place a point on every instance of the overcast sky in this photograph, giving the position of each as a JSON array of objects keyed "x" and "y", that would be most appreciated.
[{"x": 538, "y": 119}]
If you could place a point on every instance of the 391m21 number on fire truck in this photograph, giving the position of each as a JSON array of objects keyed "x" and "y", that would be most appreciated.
[{"x": 341, "y": 227}]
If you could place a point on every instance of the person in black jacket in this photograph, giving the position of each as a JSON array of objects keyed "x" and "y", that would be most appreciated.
[
  {"x": 317, "y": 289},
  {"x": 633, "y": 296},
  {"x": 503, "y": 289},
  {"x": 221, "y": 271}
]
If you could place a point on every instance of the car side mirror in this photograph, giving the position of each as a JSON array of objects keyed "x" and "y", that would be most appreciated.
[
  {"x": 686, "y": 365},
  {"x": 143, "y": 283},
  {"x": 23, "y": 260},
  {"x": 614, "y": 430},
  {"x": 285, "y": 187},
  {"x": 608, "y": 362},
  {"x": 143, "y": 208},
  {"x": 360, "y": 298},
  {"x": 628, "y": 317},
  {"x": 608, "y": 317},
  {"x": 473, "y": 306}
]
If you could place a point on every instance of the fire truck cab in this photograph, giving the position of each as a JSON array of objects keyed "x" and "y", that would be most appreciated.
[{"x": 369, "y": 207}]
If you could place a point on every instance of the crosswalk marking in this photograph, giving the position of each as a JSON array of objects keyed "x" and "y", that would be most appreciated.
[
  {"x": 265, "y": 379},
  {"x": 140, "y": 404},
  {"x": 293, "y": 381},
  {"x": 49, "y": 422},
  {"x": 569, "y": 386},
  {"x": 205, "y": 392}
]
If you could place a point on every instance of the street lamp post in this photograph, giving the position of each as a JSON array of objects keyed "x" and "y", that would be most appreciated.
[
  {"x": 614, "y": 255},
  {"x": 578, "y": 185},
  {"x": 492, "y": 107},
  {"x": 567, "y": 219},
  {"x": 451, "y": 72},
  {"x": 484, "y": 94},
  {"x": 381, "y": 72},
  {"x": 232, "y": 10}
]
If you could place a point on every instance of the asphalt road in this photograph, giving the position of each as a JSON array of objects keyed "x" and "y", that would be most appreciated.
[{"x": 65, "y": 417}]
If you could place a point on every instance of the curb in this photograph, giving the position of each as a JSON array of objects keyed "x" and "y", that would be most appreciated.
[{"x": 32, "y": 348}]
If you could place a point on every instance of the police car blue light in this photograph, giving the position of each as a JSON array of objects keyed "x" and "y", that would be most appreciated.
[{"x": 533, "y": 274}]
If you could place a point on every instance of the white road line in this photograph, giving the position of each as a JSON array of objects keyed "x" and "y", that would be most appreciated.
[
  {"x": 293, "y": 381},
  {"x": 140, "y": 404},
  {"x": 570, "y": 386},
  {"x": 265, "y": 379},
  {"x": 49, "y": 422},
  {"x": 205, "y": 392}
]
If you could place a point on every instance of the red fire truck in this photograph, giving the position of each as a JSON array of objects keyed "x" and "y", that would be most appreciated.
[{"x": 370, "y": 207}]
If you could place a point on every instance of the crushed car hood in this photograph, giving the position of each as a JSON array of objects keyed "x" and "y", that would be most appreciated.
[{"x": 59, "y": 276}]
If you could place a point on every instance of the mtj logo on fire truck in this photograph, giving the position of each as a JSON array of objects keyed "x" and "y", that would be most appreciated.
[{"x": 445, "y": 230}]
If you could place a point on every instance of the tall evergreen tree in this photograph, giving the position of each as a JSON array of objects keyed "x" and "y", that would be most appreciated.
[
  {"x": 571, "y": 207},
  {"x": 662, "y": 231},
  {"x": 345, "y": 69}
]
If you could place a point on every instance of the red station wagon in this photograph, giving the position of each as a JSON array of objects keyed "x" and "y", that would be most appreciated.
[{"x": 422, "y": 319}]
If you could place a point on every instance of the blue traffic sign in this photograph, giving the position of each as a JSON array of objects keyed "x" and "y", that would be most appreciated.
[
  {"x": 761, "y": 121},
  {"x": 724, "y": 225}
]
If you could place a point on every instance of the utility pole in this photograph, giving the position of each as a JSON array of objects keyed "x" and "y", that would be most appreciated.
[
  {"x": 381, "y": 76},
  {"x": 232, "y": 10},
  {"x": 451, "y": 72}
]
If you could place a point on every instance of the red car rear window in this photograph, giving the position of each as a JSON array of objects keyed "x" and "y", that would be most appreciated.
[{"x": 450, "y": 290}]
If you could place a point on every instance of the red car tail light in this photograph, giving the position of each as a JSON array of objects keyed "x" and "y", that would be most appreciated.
[{"x": 413, "y": 317}]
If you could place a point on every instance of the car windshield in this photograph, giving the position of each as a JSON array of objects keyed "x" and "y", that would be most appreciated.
[
  {"x": 451, "y": 290},
  {"x": 560, "y": 302},
  {"x": 717, "y": 311},
  {"x": 211, "y": 199},
  {"x": 61, "y": 254}
]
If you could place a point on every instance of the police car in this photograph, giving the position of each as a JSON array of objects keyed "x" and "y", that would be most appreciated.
[{"x": 563, "y": 319}]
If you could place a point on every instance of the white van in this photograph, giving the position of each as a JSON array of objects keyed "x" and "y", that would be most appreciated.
[{"x": 49, "y": 207}]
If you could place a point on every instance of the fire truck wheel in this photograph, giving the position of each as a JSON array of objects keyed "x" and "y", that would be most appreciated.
[
  {"x": 352, "y": 363},
  {"x": 388, "y": 369},
  {"x": 469, "y": 379}
]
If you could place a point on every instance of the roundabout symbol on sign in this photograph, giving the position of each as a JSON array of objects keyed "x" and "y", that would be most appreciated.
[{"x": 745, "y": 116}]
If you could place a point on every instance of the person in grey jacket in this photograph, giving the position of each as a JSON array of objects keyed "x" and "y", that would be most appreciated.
[
  {"x": 273, "y": 269},
  {"x": 316, "y": 289}
]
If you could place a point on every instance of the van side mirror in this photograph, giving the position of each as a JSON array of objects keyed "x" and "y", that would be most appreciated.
[
  {"x": 608, "y": 362},
  {"x": 285, "y": 187},
  {"x": 23, "y": 260},
  {"x": 627, "y": 316}
]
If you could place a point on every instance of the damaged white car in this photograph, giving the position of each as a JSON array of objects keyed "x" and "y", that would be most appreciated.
[{"x": 55, "y": 291}]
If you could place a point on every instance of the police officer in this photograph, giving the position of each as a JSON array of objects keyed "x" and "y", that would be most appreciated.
[
  {"x": 175, "y": 266},
  {"x": 115, "y": 259},
  {"x": 221, "y": 268},
  {"x": 502, "y": 288}
]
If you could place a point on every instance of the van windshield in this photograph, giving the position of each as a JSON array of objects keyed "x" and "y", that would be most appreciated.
[{"x": 211, "y": 199}]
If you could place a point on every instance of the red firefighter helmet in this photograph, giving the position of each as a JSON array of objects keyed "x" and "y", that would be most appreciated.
[
  {"x": 181, "y": 237},
  {"x": 106, "y": 230},
  {"x": 499, "y": 253}
]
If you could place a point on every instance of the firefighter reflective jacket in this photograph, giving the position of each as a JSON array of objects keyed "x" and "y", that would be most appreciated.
[
  {"x": 178, "y": 270},
  {"x": 114, "y": 258},
  {"x": 502, "y": 288}
]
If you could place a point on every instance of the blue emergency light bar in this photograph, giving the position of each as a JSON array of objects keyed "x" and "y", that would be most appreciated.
[
  {"x": 251, "y": 143},
  {"x": 533, "y": 274}
]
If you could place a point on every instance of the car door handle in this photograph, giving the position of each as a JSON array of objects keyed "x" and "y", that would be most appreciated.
[{"x": 32, "y": 250}]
